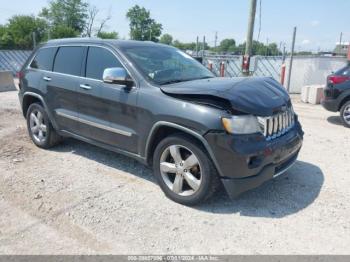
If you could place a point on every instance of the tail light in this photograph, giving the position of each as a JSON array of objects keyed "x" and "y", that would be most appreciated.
[
  {"x": 19, "y": 75},
  {"x": 338, "y": 79}
]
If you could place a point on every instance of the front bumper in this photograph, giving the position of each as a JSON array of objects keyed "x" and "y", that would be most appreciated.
[
  {"x": 235, "y": 187},
  {"x": 246, "y": 162}
]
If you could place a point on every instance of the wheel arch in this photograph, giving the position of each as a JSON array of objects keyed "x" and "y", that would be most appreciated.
[
  {"x": 343, "y": 101},
  {"x": 30, "y": 98},
  {"x": 162, "y": 130}
]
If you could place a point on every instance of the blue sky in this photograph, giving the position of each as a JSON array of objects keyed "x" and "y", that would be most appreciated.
[{"x": 319, "y": 22}]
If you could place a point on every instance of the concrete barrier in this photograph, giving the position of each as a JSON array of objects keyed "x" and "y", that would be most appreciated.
[
  {"x": 312, "y": 94},
  {"x": 6, "y": 81},
  {"x": 316, "y": 94},
  {"x": 305, "y": 94}
]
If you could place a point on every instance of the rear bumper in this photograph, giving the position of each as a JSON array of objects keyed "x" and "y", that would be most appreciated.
[
  {"x": 246, "y": 162},
  {"x": 20, "y": 97},
  {"x": 330, "y": 104}
]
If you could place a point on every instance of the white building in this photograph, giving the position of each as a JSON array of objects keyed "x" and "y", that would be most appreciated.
[{"x": 341, "y": 48}]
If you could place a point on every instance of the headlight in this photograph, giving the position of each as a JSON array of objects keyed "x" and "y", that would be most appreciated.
[{"x": 246, "y": 124}]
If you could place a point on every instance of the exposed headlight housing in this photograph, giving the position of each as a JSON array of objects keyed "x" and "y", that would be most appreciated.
[{"x": 239, "y": 125}]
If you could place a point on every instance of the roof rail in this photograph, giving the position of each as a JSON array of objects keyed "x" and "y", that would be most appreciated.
[{"x": 73, "y": 38}]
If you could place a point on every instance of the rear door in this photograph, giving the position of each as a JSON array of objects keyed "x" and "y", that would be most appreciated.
[
  {"x": 42, "y": 62},
  {"x": 106, "y": 111},
  {"x": 62, "y": 86}
]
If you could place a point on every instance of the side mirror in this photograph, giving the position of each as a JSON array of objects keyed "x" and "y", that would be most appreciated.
[{"x": 117, "y": 75}]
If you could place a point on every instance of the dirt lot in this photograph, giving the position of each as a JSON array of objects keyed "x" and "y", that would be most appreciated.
[{"x": 79, "y": 199}]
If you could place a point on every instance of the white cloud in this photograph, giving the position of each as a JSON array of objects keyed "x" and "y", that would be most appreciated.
[
  {"x": 305, "y": 42},
  {"x": 315, "y": 23}
]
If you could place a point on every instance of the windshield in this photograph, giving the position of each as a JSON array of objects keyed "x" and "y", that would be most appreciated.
[{"x": 165, "y": 65}]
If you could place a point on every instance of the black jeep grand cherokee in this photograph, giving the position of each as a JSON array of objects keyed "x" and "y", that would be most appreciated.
[
  {"x": 337, "y": 94},
  {"x": 156, "y": 104}
]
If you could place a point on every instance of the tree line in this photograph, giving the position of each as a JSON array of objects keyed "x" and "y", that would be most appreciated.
[
  {"x": 226, "y": 46},
  {"x": 74, "y": 18},
  {"x": 60, "y": 19}
]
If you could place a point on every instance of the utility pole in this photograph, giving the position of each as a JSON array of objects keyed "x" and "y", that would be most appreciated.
[
  {"x": 340, "y": 43},
  {"x": 267, "y": 46},
  {"x": 49, "y": 33},
  {"x": 250, "y": 33},
  {"x": 197, "y": 46},
  {"x": 34, "y": 40},
  {"x": 203, "y": 46},
  {"x": 216, "y": 39},
  {"x": 249, "y": 41},
  {"x": 291, "y": 59},
  {"x": 279, "y": 49},
  {"x": 341, "y": 38}
]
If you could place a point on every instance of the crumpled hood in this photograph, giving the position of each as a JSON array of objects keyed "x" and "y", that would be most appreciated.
[{"x": 261, "y": 96}]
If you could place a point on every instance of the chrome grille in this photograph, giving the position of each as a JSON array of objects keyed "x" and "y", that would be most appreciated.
[{"x": 278, "y": 124}]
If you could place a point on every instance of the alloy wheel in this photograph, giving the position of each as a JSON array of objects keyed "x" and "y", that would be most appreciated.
[
  {"x": 346, "y": 114},
  {"x": 181, "y": 170},
  {"x": 38, "y": 126}
]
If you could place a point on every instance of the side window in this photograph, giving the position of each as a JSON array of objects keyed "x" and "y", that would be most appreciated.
[
  {"x": 44, "y": 59},
  {"x": 98, "y": 60},
  {"x": 69, "y": 60}
]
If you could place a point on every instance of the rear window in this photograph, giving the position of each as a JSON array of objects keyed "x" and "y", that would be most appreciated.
[
  {"x": 344, "y": 71},
  {"x": 69, "y": 60},
  {"x": 44, "y": 59},
  {"x": 98, "y": 60}
]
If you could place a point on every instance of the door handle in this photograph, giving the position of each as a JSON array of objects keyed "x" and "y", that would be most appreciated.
[
  {"x": 85, "y": 87},
  {"x": 46, "y": 78}
]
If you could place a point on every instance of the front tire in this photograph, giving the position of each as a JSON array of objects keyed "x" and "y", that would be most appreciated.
[
  {"x": 39, "y": 127},
  {"x": 184, "y": 171},
  {"x": 345, "y": 114}
]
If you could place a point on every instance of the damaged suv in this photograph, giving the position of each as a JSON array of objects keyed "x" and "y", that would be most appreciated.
[{"x": 156, "y": 104}]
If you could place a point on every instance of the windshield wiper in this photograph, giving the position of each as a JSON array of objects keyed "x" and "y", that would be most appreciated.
[
  {"x": 173, "y": 81},
  {"x": 204, "y": 77}
]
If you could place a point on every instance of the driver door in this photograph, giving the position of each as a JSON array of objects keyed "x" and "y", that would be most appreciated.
[{"x": 107, "y": 112}]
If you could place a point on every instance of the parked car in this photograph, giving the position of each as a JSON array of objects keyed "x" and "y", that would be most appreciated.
[
  {"x": 158, "y": 105},
  {"x": 337, "y": 94}
]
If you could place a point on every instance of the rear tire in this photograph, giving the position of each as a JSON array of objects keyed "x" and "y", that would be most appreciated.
[
  {"x": 345, "y": 114},
  {"x": 40, "y": 128},
  {"x": 184, "y": 171}
]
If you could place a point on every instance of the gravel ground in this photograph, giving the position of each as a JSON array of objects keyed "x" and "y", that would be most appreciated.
[{"x": 79, "y": 199}]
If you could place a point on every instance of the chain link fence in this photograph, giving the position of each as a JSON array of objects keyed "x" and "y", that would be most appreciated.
[
  {"x": 231, "y": 66},
  {"x": 307, "y": 70},
  {"x": 13, "y": 60}
]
